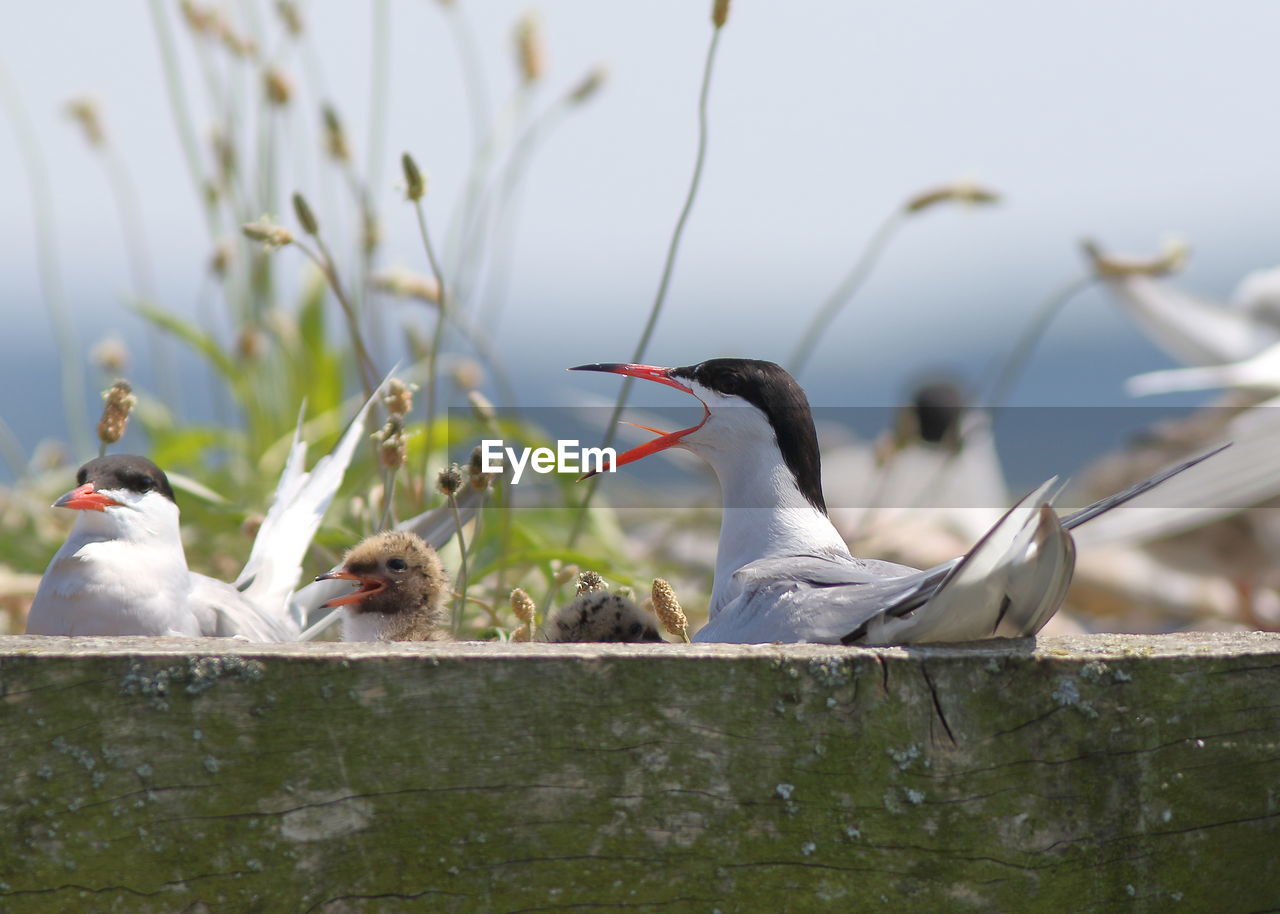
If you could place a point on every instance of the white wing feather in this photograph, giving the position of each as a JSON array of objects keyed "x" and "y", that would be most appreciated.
[
  {"x": 1190, "y": 329},
  {"x": 300, "y": 502}
]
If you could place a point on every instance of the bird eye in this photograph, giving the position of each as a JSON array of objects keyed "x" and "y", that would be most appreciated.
[{"x": 397, "y": 564}]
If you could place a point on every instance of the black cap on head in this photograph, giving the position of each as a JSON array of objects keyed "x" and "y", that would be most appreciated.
[
  {"x": 127, "y": 472},
  {"x": 775, "y": 393}
]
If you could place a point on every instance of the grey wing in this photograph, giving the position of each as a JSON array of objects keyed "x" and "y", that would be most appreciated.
[
  {"x": 809, "y": 598},
  {"x": 1009, "y": 584}
]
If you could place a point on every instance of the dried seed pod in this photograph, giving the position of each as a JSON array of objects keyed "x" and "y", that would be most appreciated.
[
  {"x": 118, "y": 400},
  {"x": 399, "y": 397},
  {"x": 291, "y": 16},
  {"x": 522, "y": 606},
  {"x": 278, "y": 87},
  {"x": 590, "y": 84},
  {"x": 415, "y": 186},
  {"x": 720, "y": 13},
  {"x": 392, "y": 446},
  {"x": 668, "y": 610},
  {"x": 271, "y": 235},
  {"x": 87, "y": 113},
  {"x": 531, "y": 52},
  {"x": 306, "y": 218},
  {"x": 335, "y": 138},
  {"x": 449, "y": 480},
  {"x": 959, "y": 192},
  {"x": 480, "y": 480},
  {"x": 404, "y": 283},
  {"x": 590, "y": 582},
  {"x": 1170, "y": 260}
]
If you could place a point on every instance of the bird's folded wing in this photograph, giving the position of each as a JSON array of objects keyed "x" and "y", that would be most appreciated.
[
  {"x": 807, "y": 598},
  {"x": 1008, "y": 585},
  {"x": 224, "y": 612}
]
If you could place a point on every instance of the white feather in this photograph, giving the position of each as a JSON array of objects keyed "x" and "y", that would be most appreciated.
[
  {"x": 1189, "y": 328},
  {"x": 1260, "y": 372}
]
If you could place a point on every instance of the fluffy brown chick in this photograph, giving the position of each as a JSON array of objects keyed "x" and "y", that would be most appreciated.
[
  {"x": 600, "y": 616},
  {"x": 402, "y": 590}
]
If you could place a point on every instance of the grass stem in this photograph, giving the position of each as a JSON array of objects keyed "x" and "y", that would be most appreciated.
[
  {"x": 324, "y": 261},
  {"x": 462, "y": 554},
  {"x": 1014, "y": 363},
  {"x": 75, "y": 409},
  {"x": 437, "y": 335},
  {"x": 843, "y": 292},
  {"x": 663, "y": 284},
  {"x": 176, "y": 90}
]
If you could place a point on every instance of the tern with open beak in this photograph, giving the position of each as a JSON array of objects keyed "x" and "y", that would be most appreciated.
[{"x": 783, "y": 573}]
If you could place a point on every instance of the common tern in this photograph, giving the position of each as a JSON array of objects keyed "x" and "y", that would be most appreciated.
[
  {"x": 783, "y": 573},
  {"x": 401, "y": 593},
  {"x": 123, "y": 570}
]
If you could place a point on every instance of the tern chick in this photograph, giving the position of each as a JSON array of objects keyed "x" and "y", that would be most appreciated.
[
  {"x": 402, "y": 590},
  {"x": 597, "y": 615}
]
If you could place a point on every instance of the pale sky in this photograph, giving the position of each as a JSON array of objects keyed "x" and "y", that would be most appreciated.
[{"x": 1127, "y": 122}]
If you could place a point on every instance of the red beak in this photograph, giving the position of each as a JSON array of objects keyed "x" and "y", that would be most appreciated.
[
  {"x": 85, "y": 498},
  {"x": 664, "y": 439},
  {"x": 367, "y": 586}
]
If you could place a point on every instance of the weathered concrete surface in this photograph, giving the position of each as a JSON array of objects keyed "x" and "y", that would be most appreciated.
[{"x": 1081, "y": 774}]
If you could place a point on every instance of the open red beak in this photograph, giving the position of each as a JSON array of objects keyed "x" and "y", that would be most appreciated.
[
  {"x": 664, "y": 439},
  {"x": 367, "y": 586},
  {"x": 85, "y": 498}
]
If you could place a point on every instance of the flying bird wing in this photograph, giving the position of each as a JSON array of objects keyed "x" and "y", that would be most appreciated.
[{"x": 1189, "y": 328}]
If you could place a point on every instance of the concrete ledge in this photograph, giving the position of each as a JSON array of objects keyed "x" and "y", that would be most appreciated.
[{"x": 1087, "y": 773}]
